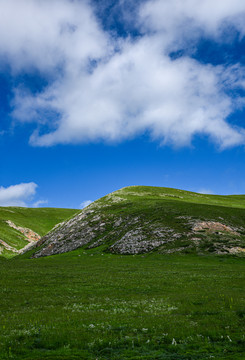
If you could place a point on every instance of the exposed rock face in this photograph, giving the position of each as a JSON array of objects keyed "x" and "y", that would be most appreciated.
[
  {"x": 4, "y": 245},
  {"x": 128, "y": 235},
  {"x": 29, "y": 234},
  {"x": 213, "y": 226},
  {"x": 135, "y": 242},
  {"x": 131, "y": 235},
  {"x": 69, "y": 235},
  {"x": 236, "y": 250},
  {"x": 132, "y": 221},
  {"x": 7, "y": 247}
]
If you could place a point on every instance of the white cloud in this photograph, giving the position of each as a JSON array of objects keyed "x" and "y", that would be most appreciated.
[
  {"x": 85, "y": 203},
  {"x": 44, "y": 34},
  {"x": 39, "y": 202},
  {"x": 17, "y": 195},
  {"x": 181, "y": 22},
  {"x": 205, "y": 191},
  {"x": 111, "y": 89}
]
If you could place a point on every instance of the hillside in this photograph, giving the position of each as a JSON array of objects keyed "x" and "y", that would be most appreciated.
[
  {"x": 141, "y": 219},
  {"x": 22, "y": 226}
]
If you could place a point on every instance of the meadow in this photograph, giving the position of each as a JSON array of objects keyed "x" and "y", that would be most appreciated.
[{"x": 88, "y": 304}]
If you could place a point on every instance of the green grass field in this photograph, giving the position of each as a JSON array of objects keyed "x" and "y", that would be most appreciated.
[
  {"x": 93, "y": 304},
  {"x": 40, "y": 220},
  {"x": 100, "y": 306}
]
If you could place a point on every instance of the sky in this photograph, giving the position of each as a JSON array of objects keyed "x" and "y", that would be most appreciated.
[{"x": 99, "y": 95}]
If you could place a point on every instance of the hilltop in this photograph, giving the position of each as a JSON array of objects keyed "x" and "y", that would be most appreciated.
[
  {"x": 141, "y": 219},
  {"x": 20, "y": 227}
]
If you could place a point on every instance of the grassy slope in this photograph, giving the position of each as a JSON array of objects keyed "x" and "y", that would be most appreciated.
[
  {"x": 149, "y": 202},
  {"x": 171, "y": 208},
  {"x": 152, "y": 192},
  {"x": 78, "y": 306},
  {"x": 40, "y": 220}
]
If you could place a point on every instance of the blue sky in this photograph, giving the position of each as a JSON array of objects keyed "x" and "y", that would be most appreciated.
[{"x": 95, "y": 96}]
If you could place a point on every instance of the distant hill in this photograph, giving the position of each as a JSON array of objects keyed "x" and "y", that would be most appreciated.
[
  {"x": 22, "y": 226},
  {"x": 141, "y": 219}
]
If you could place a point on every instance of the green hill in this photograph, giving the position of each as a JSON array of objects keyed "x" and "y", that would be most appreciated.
[
  {"x": 20, "y": 225},
  {"x": 141, "y": 219}
]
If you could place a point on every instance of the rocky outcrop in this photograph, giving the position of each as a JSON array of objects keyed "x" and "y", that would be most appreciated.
[
  {"x": 137, "y": 221},
  {"x": 135, "y": 242},
  {"x": 213, "y": 226},
  {"x": 6, "y": 246},
  {"x": 236, "y": 250},
  {"x": 72, "y": 234},
  {"x": 122, "y": 235},
  {"x": 29, "y": 234}
]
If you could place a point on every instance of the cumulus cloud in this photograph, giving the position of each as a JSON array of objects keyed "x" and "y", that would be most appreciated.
[
  {"x": 85, "y": 203},
  {"x": 40, "y": 202},
  {"x": 103, "y": 87},
  {"x": 45, "y": 34},
  {"x": 182, "y": 16},
  {"x": 17, "y": 195}
]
